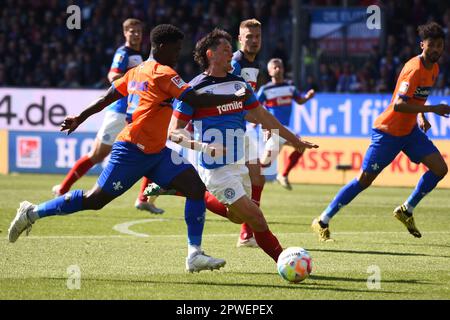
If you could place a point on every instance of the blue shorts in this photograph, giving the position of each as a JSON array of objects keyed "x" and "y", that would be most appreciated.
[
  {"x": 385, "y": 147},
  {"x": 128, "y": 164}
]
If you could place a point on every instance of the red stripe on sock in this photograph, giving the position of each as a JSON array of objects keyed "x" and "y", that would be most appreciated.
[
  {"x": 78, "y": 170},
  {"x": 269, "y": 243}
]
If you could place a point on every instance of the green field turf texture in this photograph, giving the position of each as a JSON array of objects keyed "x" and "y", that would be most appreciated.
[{"x": 119, "y": 266}]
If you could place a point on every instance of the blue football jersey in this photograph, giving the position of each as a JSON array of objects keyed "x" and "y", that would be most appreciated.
[
  {"x": 124, "y": 59},
  {"x": 223, "y": 124}
]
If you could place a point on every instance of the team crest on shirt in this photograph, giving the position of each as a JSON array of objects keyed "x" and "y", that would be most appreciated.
[
  {"x": 118, "y": 58},
  {"x": 229, "y": 193},
  {"x": 178, "y": 81},
  {"x": 237, "y": 86},
  {"x": 403, "y": 87}
]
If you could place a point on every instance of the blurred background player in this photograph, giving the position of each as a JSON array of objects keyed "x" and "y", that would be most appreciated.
[
  {"x": 140, "y": 149},
  {"x": 246, "y": 65},
  {"x": 116, "y": 116},
  {"x": 227, "y": 177},
  {"x": 277, "y": 96},
  {"x": 402, "y": 127}
]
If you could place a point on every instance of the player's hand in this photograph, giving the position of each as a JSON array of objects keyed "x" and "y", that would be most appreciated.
[
  {"x": 70, "y": 123},
  {"x": 310, "y": 94},
  {"x": 302, "y": 144},
  {"x": 442, "y": 110},
  {"x": 424, "y": 124}
]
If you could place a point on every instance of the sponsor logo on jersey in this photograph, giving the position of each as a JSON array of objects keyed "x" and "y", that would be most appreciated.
[
  {"x": 284, "y": 101},
  {"x": 178, "y": 81},
  {"x": 235, "y": 105},
  {"x": 422, "y": 92}
]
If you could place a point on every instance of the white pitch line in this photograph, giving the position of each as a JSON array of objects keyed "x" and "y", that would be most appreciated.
[
  {"x": 218, "y": 235},
  {"x": 124, "y": 227}
]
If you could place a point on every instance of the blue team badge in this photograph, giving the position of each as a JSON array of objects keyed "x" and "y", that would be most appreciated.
[
  {"x": 237, "y": 86},
  {"x": 229, "y": 193}
]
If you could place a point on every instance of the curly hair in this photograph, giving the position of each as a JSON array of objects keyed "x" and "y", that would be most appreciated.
[
  {"x": 165, "y": 33},
  {"x": 210, "y": 41},
  {"x": 431, "y": 30}
]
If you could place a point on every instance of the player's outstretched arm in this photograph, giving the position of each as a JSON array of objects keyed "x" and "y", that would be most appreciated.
[
  {"x": 405, "y": 107},
  {"x": 201, "y": 100},
  {"x": 309, "y": 95},
  {"x": 268, "y": 121},
  {"x": 70, "y": 123}
]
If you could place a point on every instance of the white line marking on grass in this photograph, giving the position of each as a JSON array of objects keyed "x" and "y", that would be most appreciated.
[
  {"x": 124, "y": 227},
  {"x": 218, "y": 235}
]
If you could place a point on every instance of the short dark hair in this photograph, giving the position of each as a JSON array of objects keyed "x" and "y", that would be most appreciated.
[
  {"x": 210, "y": 41},
  {"x": 164, "y": 33},
  {"x": 431, "y": 30}
]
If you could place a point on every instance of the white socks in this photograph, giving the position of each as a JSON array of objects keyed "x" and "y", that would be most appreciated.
[
  {"x": 324, "y": 218},
  {"x": 193, "y": 250},
  {"x": 409, "y": 207}
]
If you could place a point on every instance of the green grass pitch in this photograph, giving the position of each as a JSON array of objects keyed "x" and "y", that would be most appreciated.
[{"x": 114, "y": 265}]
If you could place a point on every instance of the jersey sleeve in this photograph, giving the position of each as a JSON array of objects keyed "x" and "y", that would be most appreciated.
[
  {"x": 121, "y": 84},
  {"x": 183, "y": 111},
  {"x": 171, "y": 83},
  {"x": 252, "y": 102},
  {"x": 296, "y": 94},
  {"x": 236, "y": 68},
  {"x": 120, "y": 61},
  {"x": 408, "y": 83},
  {"x": 261, "y": 96}
]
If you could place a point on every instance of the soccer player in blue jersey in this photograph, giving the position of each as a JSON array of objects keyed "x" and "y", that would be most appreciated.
[
  {"x": 116, "y": 116},
  {"x": 277, "y": 96},
  {"x": 227, "y": 176},
  {"x": 401, "y": 128}
]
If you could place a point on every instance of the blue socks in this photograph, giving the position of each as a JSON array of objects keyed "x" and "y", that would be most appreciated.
[
  {"x": 194, "y": 215},
  {"x": 426, "y": 183},
  {"x": 68, "y": 203},
  {"x": 344, "y": 197}
]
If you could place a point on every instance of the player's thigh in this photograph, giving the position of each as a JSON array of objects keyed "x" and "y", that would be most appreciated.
[
  {"x": 189, "y": 183},
  {"x": 174, "y": 171},
  {"x": 99, "y": 151},
  {"x": 125, "y": 167},
  {"x": 420, "y": 149},
  {"x": 381, "y": 152},
  {"x": 246, "y": 210}
]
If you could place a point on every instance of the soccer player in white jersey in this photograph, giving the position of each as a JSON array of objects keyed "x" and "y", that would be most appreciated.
[
  {"x": 277, "y": 96},
  {"x": 226, "y": 176},
  {"x": 116, "y": 116}
]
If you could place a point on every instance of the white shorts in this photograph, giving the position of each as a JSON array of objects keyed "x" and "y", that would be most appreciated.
[
  {"x": 228, "y": 183},
  {"x": 113, "y": 123}
]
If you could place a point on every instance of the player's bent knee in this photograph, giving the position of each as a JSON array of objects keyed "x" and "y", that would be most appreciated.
[{"x": 441, "y": 171}]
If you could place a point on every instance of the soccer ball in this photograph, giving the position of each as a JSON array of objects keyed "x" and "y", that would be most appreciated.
[{"x": 294, "y": 264}]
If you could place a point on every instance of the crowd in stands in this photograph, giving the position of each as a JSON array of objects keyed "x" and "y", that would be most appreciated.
[{"x": 38, "y": 50}]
